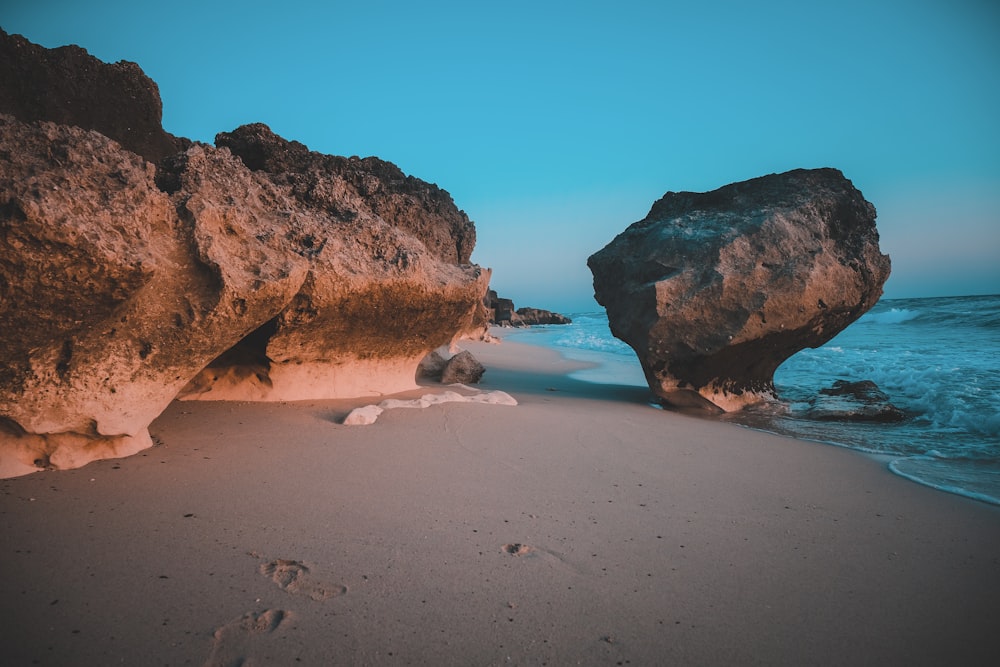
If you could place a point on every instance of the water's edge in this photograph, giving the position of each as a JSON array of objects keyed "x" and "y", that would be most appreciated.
[{"x": 917, "y": 450}]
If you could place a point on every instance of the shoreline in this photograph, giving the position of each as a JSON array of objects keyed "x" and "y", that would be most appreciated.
[
  {"x": 604, "y": 367},
  {"x": 581, "y": 526}
]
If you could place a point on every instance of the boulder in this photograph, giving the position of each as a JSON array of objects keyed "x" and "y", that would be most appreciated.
[
  {"x": 124, "y": 285},
  {"x": 68, "y": 86},
  {"x": 715, "y": 290},
  {"x": 463, "y": 368},
  {"x": 860, "y": 401},
  {"x": 432, "y": 366}
]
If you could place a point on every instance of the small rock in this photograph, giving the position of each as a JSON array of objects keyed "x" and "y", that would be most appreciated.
[
  {"x": 463, "y": 368},
  {"x": 431, "y": 366}
]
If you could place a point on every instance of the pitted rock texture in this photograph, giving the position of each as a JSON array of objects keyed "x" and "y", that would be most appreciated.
[
  {"x": 533, "y": 316},
  {"x": 70, "y": 87},
  {"x": 859, "y": 401},
  {"x": 124, "y": 285},
  {"x": 463, "y": 368},
  {"x": 345, "y": 188},
  {"x": 715, "y": 290},
  {"x": 501, "y": 312}
]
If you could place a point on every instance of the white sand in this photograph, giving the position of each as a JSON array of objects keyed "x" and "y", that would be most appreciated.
[{"x": 579, "y": 527}]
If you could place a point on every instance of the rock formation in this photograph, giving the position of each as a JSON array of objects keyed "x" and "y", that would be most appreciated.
[
  {"x": 68, "y": 86},
  {"x": 256, "y": 270},
  {"x": 715, "y": 290},
  {"x": 501, "y": 311},
  {"x": 463, "y": 368},
  {"x": 532, "y": 316},
  {"x": 431, "y": 367},
  {"x": 860, "y": 401}
]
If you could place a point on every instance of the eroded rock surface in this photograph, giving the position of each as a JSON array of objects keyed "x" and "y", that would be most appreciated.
[
  {"x": 859, "y": 401},
  {"x": 463, "y": 368},
  {"x": 715, "y": 290},
  {"x": 345, "y": 189},
  {"x": 272, "y": 274},
  {"x": 68, "y": 86},
  {"x": 532, "y": 316},
  {"x": 501, "y": 311}
]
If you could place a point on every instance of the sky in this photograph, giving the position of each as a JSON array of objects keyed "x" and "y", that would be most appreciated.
[{"x": 555, "y": 125}]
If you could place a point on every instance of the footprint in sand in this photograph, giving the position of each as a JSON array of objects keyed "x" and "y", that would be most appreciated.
[
  {"x": 235, "y": 641},
  {"x": 516, "y": 549},
  {"x": 294, "y": 576}
]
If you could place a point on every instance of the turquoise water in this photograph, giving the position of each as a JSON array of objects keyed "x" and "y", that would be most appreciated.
[{"x": 937, "y": 359}]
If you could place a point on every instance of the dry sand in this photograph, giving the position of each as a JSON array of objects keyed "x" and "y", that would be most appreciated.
[{"x": 579, "y": 527}]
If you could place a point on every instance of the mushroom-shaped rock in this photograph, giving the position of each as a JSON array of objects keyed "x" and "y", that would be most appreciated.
[{"x": 715, "y": 290}]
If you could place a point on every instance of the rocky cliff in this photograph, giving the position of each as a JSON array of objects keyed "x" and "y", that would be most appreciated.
[
  {"x": 501, "y": 311},
  {"x": 136, "y": 267},
  {"x": 715, "y": 290}
]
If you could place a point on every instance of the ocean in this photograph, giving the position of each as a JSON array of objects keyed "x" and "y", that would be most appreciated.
[{"x": 938, "y": 360}]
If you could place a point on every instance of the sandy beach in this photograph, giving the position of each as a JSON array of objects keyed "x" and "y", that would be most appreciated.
[{"x": 581, "y": 526}]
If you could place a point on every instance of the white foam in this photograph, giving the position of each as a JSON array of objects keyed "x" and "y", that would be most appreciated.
[
  {"x": 891, "y": 316},
  {"x": 979, "y": 480}
]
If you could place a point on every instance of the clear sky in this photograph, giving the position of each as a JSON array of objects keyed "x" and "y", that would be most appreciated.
[{"x": 555, "y": 125}]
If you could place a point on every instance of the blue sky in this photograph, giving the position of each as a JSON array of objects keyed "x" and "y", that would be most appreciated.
[{"x": 555, "y": 125}]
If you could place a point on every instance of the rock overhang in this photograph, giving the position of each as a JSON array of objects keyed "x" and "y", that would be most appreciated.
[{"x": 124, "y": 280}]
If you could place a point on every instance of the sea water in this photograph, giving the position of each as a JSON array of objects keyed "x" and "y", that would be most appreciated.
[{"x": 938, "y": 359}]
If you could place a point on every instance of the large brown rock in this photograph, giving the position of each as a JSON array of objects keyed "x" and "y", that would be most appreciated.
[
  {"x": 501, "y": 312},
  {"x": 70, "y": 87},
  {"x": 344, "y": 188},
  {"x": 124, "y": 285},
  {"x": 463, "y": 368},
  {"x": 715, "y": 290},
  {"x": 378, "y": 296}
]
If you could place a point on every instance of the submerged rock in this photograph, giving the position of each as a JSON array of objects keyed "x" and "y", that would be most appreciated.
[
  {"x": 432, "y": 366},
  {"x": 860, "y": 401},
  {"x": 274, "y": 273},
  {"x": 715, "y": 290}
]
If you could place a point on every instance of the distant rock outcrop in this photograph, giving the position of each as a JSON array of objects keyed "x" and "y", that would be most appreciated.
[
  {"x": 532, "y": 316},
  {"x": 257, "y": 270},
  {"x": 715, "y": 290},
  {"x": 501, "y": 311}
]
